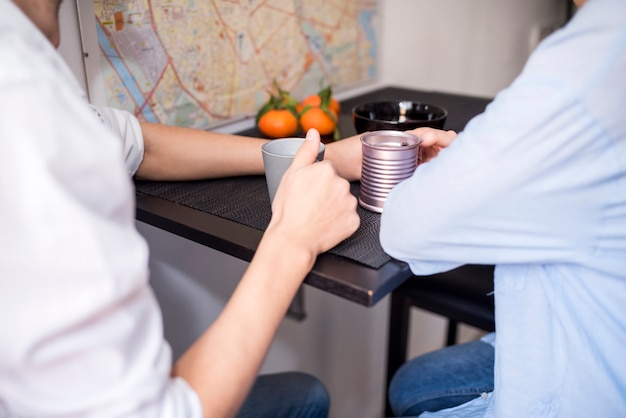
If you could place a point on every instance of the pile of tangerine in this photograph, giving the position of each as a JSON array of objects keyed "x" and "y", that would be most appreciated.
[{"x": 282, "y": 115}]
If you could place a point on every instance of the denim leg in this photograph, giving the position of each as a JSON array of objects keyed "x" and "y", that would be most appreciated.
[
  {"x": 442, "y": 379},
  {"x": 292, "y": 394}
]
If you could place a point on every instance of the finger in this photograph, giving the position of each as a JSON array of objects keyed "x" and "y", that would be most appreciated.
[
  {"x": 308, "y": 151},
  {"x": 429, "y": 136},
  {"x": 432, "y": 136},
  {"x": 446, "y": 138}
]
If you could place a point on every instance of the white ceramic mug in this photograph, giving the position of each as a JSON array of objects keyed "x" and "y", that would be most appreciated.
[{"x": 277, "y": 157}]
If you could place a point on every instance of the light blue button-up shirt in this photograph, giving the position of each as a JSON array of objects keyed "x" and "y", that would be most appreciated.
[{"x": 537, "y": 186}]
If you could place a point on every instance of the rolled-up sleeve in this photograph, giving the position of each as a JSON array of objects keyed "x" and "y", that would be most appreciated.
[{"x": 126, "y": 127}]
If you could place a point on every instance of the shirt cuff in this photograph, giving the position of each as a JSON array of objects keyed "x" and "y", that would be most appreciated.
[{"x": 184, "y": 401}]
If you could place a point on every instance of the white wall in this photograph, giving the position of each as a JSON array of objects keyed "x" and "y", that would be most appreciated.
[
  {"x": 471, "y": 47},
  {"x": 71, "y": 46}
]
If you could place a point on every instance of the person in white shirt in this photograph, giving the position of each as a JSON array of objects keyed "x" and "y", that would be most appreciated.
[
  {"x": 81, "y": 330},
  {"x": 536, "y": 186}
]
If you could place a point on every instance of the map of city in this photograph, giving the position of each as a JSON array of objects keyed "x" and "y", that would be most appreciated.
[{"x": 202, "y": 63}]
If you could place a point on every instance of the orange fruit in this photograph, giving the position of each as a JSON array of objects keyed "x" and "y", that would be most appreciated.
[
  {"x": 315, "y": 100},
  {"x": 325, "y": 121},
  {"x": 278, "y": 123}
]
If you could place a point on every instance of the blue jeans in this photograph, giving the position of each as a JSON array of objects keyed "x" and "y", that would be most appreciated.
[
  {"x": 292, "y": 394},
  {"x": 442, "y": 379}
]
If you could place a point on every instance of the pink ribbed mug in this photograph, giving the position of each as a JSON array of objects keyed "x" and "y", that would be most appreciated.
[{"x": 389, "y": 157}]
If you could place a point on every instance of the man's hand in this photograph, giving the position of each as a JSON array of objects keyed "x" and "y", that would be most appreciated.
[
  {"x": 313, "y": 207},
  {"x": 433, "y": 141}
]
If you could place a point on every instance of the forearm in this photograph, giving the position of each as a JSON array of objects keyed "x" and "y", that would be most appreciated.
[
  {"x": 175, "y": 153},
  {"x": 223, "y": 364}
]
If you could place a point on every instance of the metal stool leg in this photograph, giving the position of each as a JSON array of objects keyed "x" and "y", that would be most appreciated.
[{"x": 453, "y": 327}]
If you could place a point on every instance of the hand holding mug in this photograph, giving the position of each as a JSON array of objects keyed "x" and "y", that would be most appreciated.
[
  {"x": 433, "y": 141},
  {"x": 313, "y": 206}
]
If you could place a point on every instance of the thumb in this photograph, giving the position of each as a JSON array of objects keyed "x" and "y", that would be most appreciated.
[{"x": 308, "y": 151}]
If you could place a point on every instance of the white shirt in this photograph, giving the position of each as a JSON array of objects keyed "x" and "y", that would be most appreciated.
[
  {"x": 537, "y": 186},
  {"x": 80, "y": 329}
]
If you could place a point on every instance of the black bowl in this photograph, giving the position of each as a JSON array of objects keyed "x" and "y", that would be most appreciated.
[{"x": 398, "y": 115}]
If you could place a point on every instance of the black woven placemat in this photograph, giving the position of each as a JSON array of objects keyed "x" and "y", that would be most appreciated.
[{"x": 222, "y": 198}]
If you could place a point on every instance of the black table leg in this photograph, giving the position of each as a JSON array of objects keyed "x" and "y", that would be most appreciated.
[{"x": 397, "y": 342}]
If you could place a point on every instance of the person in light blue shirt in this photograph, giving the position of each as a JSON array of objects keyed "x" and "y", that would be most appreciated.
[{"x": 536, "y": 186}]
